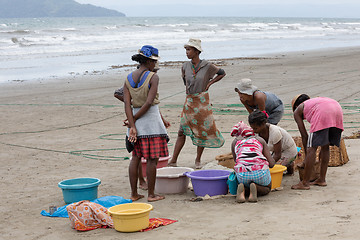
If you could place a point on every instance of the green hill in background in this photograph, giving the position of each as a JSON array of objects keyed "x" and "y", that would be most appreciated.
[{"x": 52, "y": 8}]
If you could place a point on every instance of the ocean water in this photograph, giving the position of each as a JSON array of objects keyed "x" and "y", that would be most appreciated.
[{"x": 55, "y": 47}]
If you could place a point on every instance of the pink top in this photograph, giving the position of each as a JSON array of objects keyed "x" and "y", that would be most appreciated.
[
  {"x": 249, "y": 156},
  {"x": 322, "y": 112}
]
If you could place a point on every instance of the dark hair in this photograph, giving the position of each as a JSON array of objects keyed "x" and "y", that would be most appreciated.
[
  {"x": 257, "y": 117},
  {"x": 140, "y": 59},
  {"x": 302, "y": 98}
]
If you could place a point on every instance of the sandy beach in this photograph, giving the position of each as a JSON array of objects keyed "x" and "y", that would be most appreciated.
[{"x": 62, "y": 128}]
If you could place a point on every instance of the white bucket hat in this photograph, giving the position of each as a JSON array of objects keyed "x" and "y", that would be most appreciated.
[
  {"x": 195, "y": 43},
  {"x": 245, "y": 86}
]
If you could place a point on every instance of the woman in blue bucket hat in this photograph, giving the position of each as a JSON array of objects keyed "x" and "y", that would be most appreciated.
[{"x": 146, "y": 129}]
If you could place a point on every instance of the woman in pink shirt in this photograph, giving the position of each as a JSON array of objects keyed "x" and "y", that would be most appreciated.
[{"x": 326, "y": 125}]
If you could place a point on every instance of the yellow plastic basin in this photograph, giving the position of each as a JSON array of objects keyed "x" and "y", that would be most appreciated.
[
  {"x": 276, "y": 175},
  {"x": 130, "y": 217}
]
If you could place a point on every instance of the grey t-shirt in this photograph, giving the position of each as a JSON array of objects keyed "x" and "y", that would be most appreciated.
[{"x": 196, "y": 83}]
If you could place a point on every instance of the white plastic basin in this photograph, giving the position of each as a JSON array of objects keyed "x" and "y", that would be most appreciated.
[{"x": 170, "y": 180}]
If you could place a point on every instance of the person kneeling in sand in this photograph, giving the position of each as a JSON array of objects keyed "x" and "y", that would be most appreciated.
[
  {"x": 326, "y": 125},
  {"x": 252, "y": 161},
  {"x": 280, "y": 143}
]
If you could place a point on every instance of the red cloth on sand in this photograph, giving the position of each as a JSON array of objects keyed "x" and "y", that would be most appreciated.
[{"x": 157, "y": 222}]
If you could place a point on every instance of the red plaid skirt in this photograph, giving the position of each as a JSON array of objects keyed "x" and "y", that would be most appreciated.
[{"x": 154, "y": 147}]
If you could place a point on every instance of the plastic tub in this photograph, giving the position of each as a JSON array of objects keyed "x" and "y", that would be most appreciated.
[
  {"x": 78, "y": 189},
  {"x": 232, "y": 183},
  {"x": 163, "y": 161},
  {"x": 277, "y": 175},
  {"x": 209, "y": 182},
  {"x": 172, "y": 180},
  {"x": 130, "y": 217}
]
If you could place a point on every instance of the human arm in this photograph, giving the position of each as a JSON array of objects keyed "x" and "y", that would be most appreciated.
[
  {"x": 259, "y": 100},
  {"x": 119, "y": 94},
  {"x": 166, "y": 123},
  {"x": 248, "y": 108},
  {"x": 299, "y": 119},
  {"x": 121, "y": 98},
  {"x": 129, "y": 115},
  {"x": 220, "y": 74},
  {"x": 266, "y": 152},
  {"x": 233, "y": 149},
  {"x": 277, "y": 151}
]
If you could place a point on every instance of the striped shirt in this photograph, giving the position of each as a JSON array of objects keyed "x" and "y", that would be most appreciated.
[{"x": 249, "y": 156}]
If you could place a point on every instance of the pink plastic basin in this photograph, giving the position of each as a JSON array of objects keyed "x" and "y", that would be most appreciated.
[{"x": 163, "y": 161}]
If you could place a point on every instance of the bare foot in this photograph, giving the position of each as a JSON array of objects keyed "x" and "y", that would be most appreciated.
[
  {"x": 155, "y": 198},
  {"x": 136, "y": 197},
  {"x": 143, "y": 186},
  {"x": 171, "y": 164},
  {"x": 240, "y": 194},
  {"x": 197, "y": 165},
  {"x": 253, "y": 193},
  {"x": 319, "y": 183},
  {"x": 300, "y": 186}
]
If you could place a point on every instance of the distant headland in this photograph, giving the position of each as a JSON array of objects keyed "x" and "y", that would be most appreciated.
[{"x": 52, "y": 8}]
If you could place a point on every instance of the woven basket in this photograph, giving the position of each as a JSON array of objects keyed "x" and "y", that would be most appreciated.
[
  {"x": 226, "y": 160},
  {"x": 338, "y": 155}
]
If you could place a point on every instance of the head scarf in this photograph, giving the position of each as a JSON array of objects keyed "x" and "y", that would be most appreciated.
[{"x": 242, "y": 129}]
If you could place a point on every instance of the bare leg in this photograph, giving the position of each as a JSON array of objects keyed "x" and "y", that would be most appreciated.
[
  {"x": 240, "y": 194},
  {"x": 324, "y": 162},
  {"x": 309, "y": 165},
  {"x": 142, "y": 182},
  {"x": 253, "y": 193},
  {"x": 199, "y": 152},
  {"x": 258, "y": 190},
  {"x": 263, "y": 190},
  {"x": 290, "y": 169},
  {"x": 133, "y": 177},
  {"x": 151, "y": 177},
  {"x": 180, "y": 141}
]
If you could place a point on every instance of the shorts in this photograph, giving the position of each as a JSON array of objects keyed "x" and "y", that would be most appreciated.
[
  {"x": 260, "y": 177},
  {"x": 324, "y": 137},
  {"x": 151, "y": 148}
]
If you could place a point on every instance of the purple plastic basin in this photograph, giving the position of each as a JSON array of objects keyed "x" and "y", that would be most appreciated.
[{"x": 211, "y": 182}]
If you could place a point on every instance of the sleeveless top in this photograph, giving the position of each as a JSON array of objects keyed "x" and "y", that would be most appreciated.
[
  {"x": 140, "y": 92},
  {"x": 272, "y": 103},
  {"x": 249, "y": 156}
]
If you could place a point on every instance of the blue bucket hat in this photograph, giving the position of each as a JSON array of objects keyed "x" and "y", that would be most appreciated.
[{"x": 149, "y": 52}]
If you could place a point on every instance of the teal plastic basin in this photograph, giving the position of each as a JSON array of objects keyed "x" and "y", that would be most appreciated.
[{"x": 78, "y": 189}]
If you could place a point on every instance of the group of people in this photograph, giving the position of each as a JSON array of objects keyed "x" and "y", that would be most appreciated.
[{"x": 255, "y": 148}]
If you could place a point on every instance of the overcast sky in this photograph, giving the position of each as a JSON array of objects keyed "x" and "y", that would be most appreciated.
[{"x": 241, "y": 8}]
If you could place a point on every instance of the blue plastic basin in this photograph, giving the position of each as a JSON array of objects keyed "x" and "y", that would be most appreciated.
[{"x": 78, "y": 189}]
